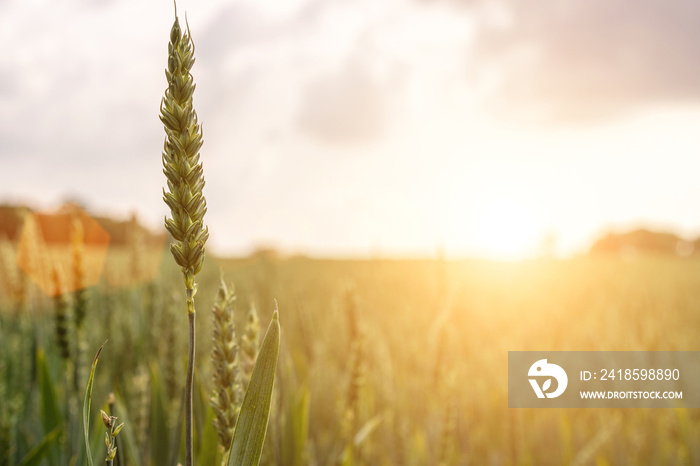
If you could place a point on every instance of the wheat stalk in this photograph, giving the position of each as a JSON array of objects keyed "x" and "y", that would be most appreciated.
[
  {"x": 140, "y": 394},
  {"x": 77, "y": 239},
  {"x": 185, "y": 180},
  {"x": 351, "y": 415},
  {"x": 80, "y": 297}
]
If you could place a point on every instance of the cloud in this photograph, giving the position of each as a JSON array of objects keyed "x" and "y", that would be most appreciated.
[
  {"x": 306, "y": 70},
  {"x": 232, "y": 27},
  {"x": 345, "y": 106},
  {"x": 247, "y": 24},
  {"x": 9, "y": 83},
  {"x": 579, "y": 60},
  {"x": 388, "y": 64}
]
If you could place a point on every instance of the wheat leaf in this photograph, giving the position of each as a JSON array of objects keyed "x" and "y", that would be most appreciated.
[
  {"x": 86, "y": 406},
  {"x": 249, "y": 435}
]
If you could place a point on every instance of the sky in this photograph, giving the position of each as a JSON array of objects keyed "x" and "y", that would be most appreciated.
[{"x": 365, "y": 127}]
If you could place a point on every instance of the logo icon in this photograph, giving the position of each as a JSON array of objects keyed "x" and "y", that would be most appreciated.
[{"x": 543, "y": 369}]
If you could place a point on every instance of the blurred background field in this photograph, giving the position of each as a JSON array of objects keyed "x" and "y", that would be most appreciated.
[{"x": 383, "y": 362}]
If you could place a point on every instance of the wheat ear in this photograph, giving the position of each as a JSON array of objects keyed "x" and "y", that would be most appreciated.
[
  {"x": 61, "y": 306},
  {"x": 181, "y": 164},
  {"x": 184, "y": 174},
  {"x": 227, "y": 393},
  {"x": 113, "y": 430},
  {"x": 249, "y": 345}
]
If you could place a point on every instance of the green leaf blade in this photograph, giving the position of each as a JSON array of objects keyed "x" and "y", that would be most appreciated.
[
  {"x": 51, "y": 416},
  {"x": 40, "y": 450},
  {"x": 86, "y": 406},
  {"x": 251, "y": 427}
]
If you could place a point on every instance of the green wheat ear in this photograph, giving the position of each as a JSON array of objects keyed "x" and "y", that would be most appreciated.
[
  {"x": 227, "y": 393},
  {"x": 185, "y": 178},
  {"x": 181, "y": 164}
]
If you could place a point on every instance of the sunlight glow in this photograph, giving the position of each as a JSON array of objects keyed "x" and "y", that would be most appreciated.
[{"x": 506, "y": 229}]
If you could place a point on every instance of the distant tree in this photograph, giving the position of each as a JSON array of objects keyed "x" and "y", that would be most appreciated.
[{"x": 639, "y": 241}]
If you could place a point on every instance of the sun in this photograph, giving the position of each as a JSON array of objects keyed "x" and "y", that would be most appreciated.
[{"x": 506, "y": 228}]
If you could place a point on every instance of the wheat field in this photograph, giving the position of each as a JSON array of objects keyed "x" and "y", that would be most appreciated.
[{"x": 382, "y": 362}]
